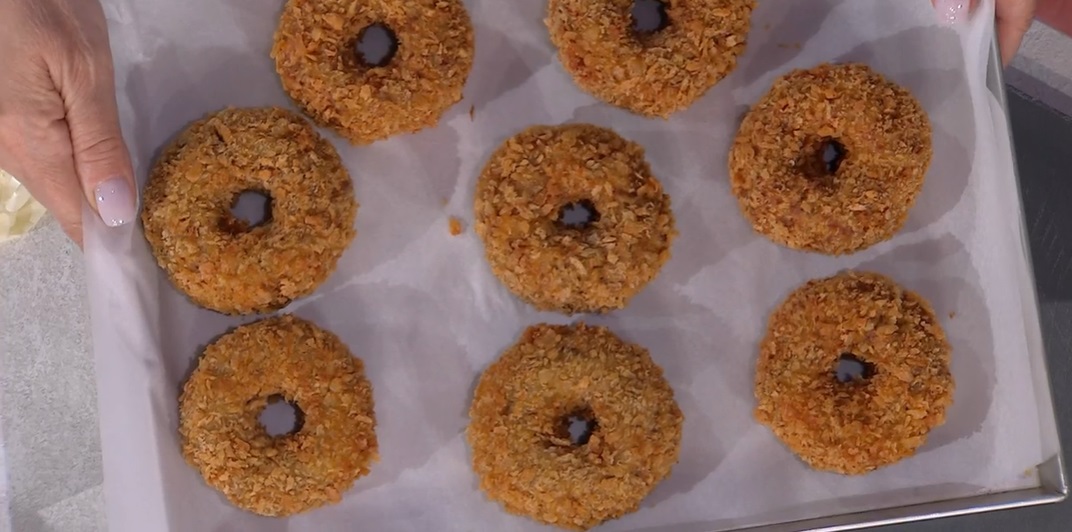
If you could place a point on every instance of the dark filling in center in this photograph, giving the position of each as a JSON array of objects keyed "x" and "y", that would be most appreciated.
[
  {"x": 376, "y": 45},
  {"x": 649, "y": 16}
]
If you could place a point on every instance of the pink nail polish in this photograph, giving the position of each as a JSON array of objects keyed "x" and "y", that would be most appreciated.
[
  {"x": 952, "y": 11},
  {"x": 115, "y": 202}
]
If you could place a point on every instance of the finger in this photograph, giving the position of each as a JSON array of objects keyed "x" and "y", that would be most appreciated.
[
  {"x": 86, "y": 84},
  {"x": 100, "y": 156},
  {"x": 1014, "y": 19}
]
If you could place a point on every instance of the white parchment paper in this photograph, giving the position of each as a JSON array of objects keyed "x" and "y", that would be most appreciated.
[{"x": 423, "y": 311}]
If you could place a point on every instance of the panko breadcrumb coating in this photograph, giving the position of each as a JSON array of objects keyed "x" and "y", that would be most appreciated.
[
  {"x": 520, "y": 417},
  {"x": 528, "y": 187},
  {"x": 831, "y": 159},
  {"x": 235, "y": 379},
  {"x": 316, "y": 56},
  {"x": 652, "y": 74},
  {"x": 455, "y": 226},
  {"x": 860, "y": 425},
  {"x": 220, "y": 261}
]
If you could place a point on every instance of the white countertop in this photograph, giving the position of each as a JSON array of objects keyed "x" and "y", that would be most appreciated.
[{"x": 48, "y": 423}]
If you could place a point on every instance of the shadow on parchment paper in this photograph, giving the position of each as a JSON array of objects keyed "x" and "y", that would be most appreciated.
[
  {"x": 945, "y": 95},
  {"x": 699, "y": 135},
  {"x": 193, "y": 83},
  {"x": 689, "y": 342},
  {"x": 700, "y": 455},
  {"x": 207, "y": 80},
  {"x": 941, "y": 272},
  {"x": 474, "y": 481},
  {"x": 838, "y": 506},
  {"x": 185, "y": 333},
  {"x": 414, "y": 366},
  {"x": 261, "y": 524},
  {"x": 501, "y": 64},
  {"x": 705, "y": 211},
  {"x": 400, "y": 185},
  {"x": 778, "y": 30}
]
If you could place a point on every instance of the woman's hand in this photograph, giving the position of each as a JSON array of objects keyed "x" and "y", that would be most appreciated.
[
  {"x": 1013, "y": 19},
  {"x": 59, "y": 128}
]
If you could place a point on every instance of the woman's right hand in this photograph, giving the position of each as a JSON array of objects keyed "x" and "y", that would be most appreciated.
[{"x": 59, "y": 128}]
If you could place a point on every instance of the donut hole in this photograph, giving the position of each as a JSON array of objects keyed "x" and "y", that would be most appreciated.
[
  {"x": 851, "y": 368},
  {"x": 578, "y": 214},
  {"x": 376, "y": 45},
  {"x": 822, "y": 158},
  {"x": 280, "y": 417},
  {"x": 831, "y": 154},
  {"x": 649, "y": 16},
  {"x": 250, "y": 209},
  {"x": 579, "y": 426}
]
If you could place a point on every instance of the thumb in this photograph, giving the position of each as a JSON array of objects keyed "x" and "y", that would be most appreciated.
[{"x": 101, "y": 159}]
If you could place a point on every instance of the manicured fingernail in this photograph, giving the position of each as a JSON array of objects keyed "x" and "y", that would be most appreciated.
[
  {"x": 115, "y": 202},
  {"x": 952, "y": 11}
]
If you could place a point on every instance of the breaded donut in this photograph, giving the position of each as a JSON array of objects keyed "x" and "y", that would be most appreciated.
[
  {"x": 220, "y": 261},
  {"x": 649, "y": 73},
  {"x": 525, "y": 402},
  {"x": 237, "y": 376},
  {"x": 541, "y": 177},
  {"x": 316, "y": 56},
  {"x": 831, "y": 159},
  {"x": 853, "y": 426}
]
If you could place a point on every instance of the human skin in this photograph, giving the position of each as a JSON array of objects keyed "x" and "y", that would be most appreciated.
[
  {"x": 59, "y": 127},
  {"x": 1056, "y": 14}
]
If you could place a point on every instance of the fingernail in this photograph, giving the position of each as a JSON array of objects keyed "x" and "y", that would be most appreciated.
[
  {"x": 952, "y": 11},
  {"x": 115, "y": 202}
]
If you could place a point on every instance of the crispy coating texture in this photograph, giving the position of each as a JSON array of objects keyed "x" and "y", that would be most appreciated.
[
  {"x": 315, "y": 56},
  {"x": 857, "y": 426},
  {"x": 282, "y": 475},
  {"x": 218, "y": 260},
  {"x": 651, "y": 74},
  {"x": 518, "y": 428},
  {"x": 554, "y": 266},
  {"x": 455, "y": 226},
  {"x": 779, "y": 177}
]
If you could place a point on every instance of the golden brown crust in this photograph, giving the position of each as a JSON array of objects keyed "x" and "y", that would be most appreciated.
[
  {"x": 219, "y": 261},
  {"x": 653, "y": 74},
  {"x": 776, "y": 168},
  {"x": 596, "y": 268},
  {"x": 315, "y": 57},
  {"x": 455, "y": 226},
  {"x": 284, "y": 475},
  {"x": 518, "y": 430},
  {"x": 857, "y": 426}
]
